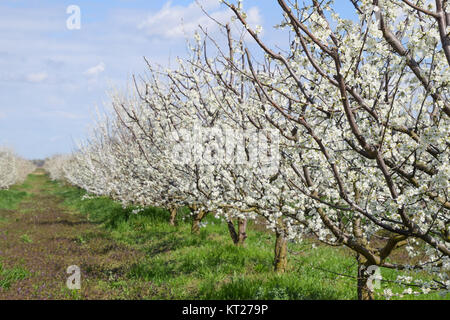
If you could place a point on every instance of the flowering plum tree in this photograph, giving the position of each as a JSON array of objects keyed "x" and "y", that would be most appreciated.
[
  {"x": 13, "y": 169},
  {"x": 365, "y": 103}
]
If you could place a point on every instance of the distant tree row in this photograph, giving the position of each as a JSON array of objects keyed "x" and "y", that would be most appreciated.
[{"x": 13, "y": 169}]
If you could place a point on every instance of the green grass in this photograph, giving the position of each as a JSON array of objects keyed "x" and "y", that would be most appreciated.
[
  {"x": 10, "y": 199},
  {"x": 26, "y": 238},
  {"x": 179, "y": 265},
  {"x": 9, "y": 276}
]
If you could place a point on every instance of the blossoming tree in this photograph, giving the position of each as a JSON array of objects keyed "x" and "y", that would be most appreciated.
[
  {"x": 13, "y": 169},
  {"x": 366, "y": 104}
]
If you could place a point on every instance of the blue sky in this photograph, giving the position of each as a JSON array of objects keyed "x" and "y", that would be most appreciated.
[{"x": 52, "y": 78}]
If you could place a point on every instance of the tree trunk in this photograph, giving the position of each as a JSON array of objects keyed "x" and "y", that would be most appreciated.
[
  {"x": 196, "y": 222},
  {"x": 280, "y": 262},
  {"x": 240, "y": 236},
  {"x": 364, "y": 292},
  {"x": 242, "y": 228},
  {"x": 173, "y": 215},
  {"x": 233, "y": 234}
]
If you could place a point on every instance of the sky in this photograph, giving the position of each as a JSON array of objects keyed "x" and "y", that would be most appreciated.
[{"x": 53, "y": 77}]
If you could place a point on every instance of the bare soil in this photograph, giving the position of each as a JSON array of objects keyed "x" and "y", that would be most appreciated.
[{"x": 45, "y": 238}]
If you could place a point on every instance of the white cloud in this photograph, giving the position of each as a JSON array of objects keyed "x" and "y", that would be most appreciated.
[
  {"x": 182, "y": 21},
  {"x": 95, "y": 70},
  {"x": 37, "y": 77}
]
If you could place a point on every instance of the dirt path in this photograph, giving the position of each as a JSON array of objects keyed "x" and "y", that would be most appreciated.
[{"x": 42, "y": 238}]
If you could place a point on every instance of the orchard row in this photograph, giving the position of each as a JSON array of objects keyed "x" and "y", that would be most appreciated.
[
  {"x": 354, "y": 120},
  {"x": 13, "y": 169}
]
